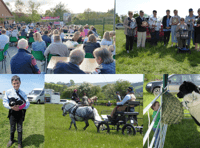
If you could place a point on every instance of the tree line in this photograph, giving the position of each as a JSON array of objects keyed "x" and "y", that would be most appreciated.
[
  {"x": 31, "y": 11},
  {"x": 107, "y": 92}
]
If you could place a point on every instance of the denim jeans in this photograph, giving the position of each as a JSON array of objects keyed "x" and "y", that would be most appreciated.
[
  {"x": 173, "y": 30},
  {"x": 189, "y": 35},
  {"x": 154, "y": 129}
]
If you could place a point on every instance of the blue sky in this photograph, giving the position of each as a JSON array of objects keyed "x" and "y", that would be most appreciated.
[
  {"x": 94, "y": 78},
  {"x": 123, "y": 6},
  {"x": 75, "y": 6},
  {"x": 28, "y": 82}
]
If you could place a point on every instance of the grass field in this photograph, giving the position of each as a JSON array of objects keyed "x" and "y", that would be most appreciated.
[
  {"x": 33, "y": 127},
  {"x": 99, "y": 29},
  {"x": 183, "y": 135},
  {"x": 154, "y": 60},
  {"x": 57, "y": 133}
]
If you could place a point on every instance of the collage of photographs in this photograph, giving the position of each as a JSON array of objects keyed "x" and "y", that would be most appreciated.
[{"x": 105, "y": 74}]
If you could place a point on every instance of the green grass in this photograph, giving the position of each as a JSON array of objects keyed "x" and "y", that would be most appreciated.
[
  {"x": 57, "y": 133},
  {"x": 154, "y": 60},
  {"x": 33, "y": 127},
  {"x": 99, "y": 29},
  {"x": 183, "y": 135}
]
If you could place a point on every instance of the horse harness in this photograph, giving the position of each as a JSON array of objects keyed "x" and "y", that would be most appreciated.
[{"x": 73, "y": 112}]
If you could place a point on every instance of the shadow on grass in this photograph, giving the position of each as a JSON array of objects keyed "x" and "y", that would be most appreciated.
[
  {"x": 162, "y": 51},
  {"x": 33, "y": 140}
]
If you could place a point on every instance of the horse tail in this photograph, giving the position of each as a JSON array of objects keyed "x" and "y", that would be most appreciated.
[{"x": 96, "y": 115}]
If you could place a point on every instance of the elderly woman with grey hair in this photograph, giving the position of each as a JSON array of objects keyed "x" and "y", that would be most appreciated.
[
  {"x": 72, "y": 67},
  {"x": 129, "y": 24},
  {"x": 105, "y": 60}
]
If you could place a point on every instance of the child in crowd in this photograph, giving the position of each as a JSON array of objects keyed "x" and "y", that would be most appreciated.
[{"x": 155, "y": 107}]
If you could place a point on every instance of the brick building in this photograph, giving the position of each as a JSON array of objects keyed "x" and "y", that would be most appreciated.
[{"x": 5, "y": 14}]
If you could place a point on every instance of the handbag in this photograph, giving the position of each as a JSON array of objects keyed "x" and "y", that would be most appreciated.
[{"x": 130, "y": 32}]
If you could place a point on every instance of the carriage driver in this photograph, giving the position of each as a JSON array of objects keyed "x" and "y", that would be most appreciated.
[
  {"x": 129, "y": 97},
  {"x": 16, "y": 113}
]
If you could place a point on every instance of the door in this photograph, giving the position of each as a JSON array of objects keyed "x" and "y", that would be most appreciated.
[{"x": 42, "y": 97}]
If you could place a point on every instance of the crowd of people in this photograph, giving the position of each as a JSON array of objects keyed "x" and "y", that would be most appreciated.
[
  {"x": 51, "y": 39},
  {"x": 172, "y": 25}
]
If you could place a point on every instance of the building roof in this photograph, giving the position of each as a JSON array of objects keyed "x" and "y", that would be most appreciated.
[{"x": 6, "y": 7}]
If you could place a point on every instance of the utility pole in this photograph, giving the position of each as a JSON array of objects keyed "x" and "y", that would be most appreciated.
[{"x": 114, "y": 15}]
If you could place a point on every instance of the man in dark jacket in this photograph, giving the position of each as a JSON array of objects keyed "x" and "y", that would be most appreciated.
[
  {"x": 141, "y": 29},
  {"x": 72, "y": 67},
  {"x": 23, "y": 62},
  {"x": 46, "y": 38},
  {"x": 23, "y": 33},
  {"x": 166, "y": 27}
]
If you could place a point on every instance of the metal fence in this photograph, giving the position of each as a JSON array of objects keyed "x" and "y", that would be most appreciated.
[
  {"x": 100, "y": 21},
  {"x": 163, "y": 127}
]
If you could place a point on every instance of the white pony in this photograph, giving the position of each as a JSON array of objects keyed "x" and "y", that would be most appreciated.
[{"x": 77, "y": 113}]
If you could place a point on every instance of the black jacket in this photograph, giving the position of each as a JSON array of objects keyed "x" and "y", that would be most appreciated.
[
  {"x": 139, "y": 23},
  {"x": 164, "y": 22},
  {"x": 90, "y": 47}
]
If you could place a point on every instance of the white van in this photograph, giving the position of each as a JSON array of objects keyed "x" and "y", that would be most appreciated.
[{"x": 36, "y": 96}]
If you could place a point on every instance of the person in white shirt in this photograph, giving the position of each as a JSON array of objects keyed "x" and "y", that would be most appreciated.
[
  {"x": 129, "y": 97},
  {"x": 106, "y": 39},
  {"x": 15, "y": 33},
  {"x": 4, "y": 39},
  {"x": 174, "y": 21},
  {"x": 155, "y": 26}
]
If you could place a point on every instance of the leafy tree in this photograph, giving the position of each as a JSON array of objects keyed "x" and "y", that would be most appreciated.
[
  {"x": 72, "y": 83},
  {"x": 59, "y": 10},
  {"x": 19, "y": 6},
  {"x": 123, "y": 17},
  {"x": 33, "y": 8},
  {"x": 117, "y": 18},
  {"x": 122, "y": 86}
]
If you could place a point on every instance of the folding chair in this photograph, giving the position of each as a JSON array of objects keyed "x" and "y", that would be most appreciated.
[
  {"x": 3, "y": 60},
  {"x": 89, "y": 55},
  {"x": 6, "y": 48},
  {"x": 38, "y": 55}
]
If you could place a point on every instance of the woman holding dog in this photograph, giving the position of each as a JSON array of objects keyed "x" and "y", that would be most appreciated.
[{"x": 16, "y": 113}]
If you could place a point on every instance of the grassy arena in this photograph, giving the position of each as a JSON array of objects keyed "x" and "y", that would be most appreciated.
[
  {"x": 183, "y": 135},
  {"x": 57, "y": 133},
  {"x": 155, "y": 60},
  {"x": 33, "y": 127}
]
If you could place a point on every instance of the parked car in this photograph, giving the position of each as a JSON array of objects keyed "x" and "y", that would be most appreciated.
[
  {"x": 174, "y": 81},
  {"x": 119, "y": 26}
]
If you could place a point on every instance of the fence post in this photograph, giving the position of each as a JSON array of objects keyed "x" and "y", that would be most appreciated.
[
  {"x": 103, "y": 25},
  {"x": 165, "y": 80}
]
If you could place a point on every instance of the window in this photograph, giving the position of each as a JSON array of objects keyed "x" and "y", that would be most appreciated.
[
  {"x": 186, "y": 78},
  {"x": 175, "y": 79}
]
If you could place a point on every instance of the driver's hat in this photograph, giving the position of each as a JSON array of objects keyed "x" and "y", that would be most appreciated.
[{"x": 130, "y": 89}]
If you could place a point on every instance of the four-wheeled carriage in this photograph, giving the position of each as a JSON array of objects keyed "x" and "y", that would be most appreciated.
[{"x": 122, "y": 120}]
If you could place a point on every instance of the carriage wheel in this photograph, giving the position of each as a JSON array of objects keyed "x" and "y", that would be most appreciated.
[
  {"x": 103, "y": 127},
  {"x": 118, "y": 127},
  {"x": 128, "y": 129}
]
